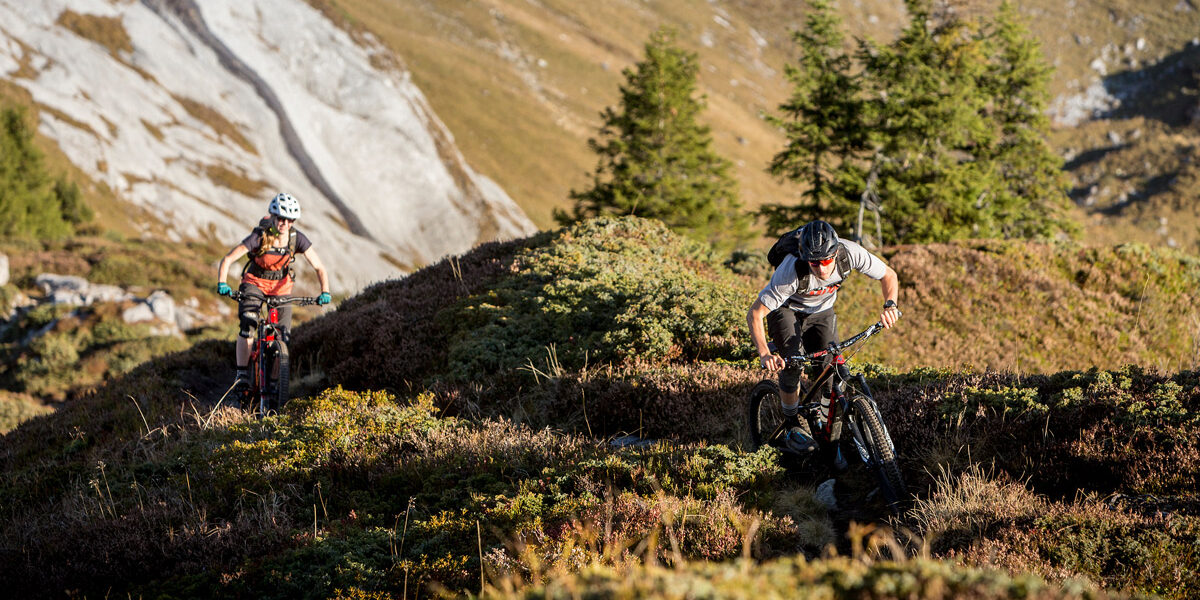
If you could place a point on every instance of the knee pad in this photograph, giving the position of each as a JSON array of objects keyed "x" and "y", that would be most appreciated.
[
  {"x": 789, "y": 379},
  {"x": 249, "y": 324}
]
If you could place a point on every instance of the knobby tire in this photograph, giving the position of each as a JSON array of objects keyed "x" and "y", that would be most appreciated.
[
  {"x": 279, "y": 394},
  {"x": 763, "y": 412},
  {"x": 872, "y": 434}
]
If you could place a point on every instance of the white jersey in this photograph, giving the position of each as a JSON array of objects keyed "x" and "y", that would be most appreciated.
[{"x": 815, "y": 295}]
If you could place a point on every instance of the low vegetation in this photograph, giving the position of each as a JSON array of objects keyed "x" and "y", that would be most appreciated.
[
  {"x": 623, "y": 291},
  {"x": 54, "y": 351},
  {"x": 799, "y": 578},
  {"x": 552, "y": 472}
]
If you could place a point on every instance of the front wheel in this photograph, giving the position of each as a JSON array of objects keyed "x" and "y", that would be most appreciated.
[
  {"x": 763, "y": 413},
  {"x": 277, "y": 387},
  {"x": 874, "y": 446}
]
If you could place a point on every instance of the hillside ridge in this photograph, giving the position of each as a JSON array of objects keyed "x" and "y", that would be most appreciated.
[{"x": 506, "y": 476}]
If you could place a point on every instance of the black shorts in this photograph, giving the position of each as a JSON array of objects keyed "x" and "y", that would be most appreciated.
[
  {"x": 795, "y": 332},
  {"x": 248, "y": 308}
]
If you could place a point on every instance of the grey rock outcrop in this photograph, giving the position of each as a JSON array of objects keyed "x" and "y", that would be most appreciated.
[{"x": 77, "y": 291}]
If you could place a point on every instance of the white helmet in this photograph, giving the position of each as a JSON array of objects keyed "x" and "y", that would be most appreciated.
[{"x": 284, "y": 205}]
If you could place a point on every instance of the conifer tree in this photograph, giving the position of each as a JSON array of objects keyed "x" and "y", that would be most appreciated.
[
  {"x": 655, "y": 158},
  {"x": 31, "y": 203},
  {"x": 952, "y": 114},
  {"x": 1033, "y": 203},
  {"x": 823, "y": 122},
  {"x": 930, "y": 117}
]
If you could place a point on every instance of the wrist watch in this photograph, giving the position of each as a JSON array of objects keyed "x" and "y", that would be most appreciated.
[{"x": 890, "y": 304}]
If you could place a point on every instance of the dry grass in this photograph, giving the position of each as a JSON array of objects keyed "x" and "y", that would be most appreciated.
[
  {"x": 237, "y": 181},
  {"x": 216, "y": 121},
  {"x": 106, "y": 31},
  {"x": 501, "y": 102}
]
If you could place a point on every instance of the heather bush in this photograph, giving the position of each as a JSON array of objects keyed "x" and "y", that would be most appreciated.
[
  {"x": 1103, "y": 430},
  {"x": 691, "y": 402},
  {"x": 17, "y": 408},
  {"x": 324, "y": 487},
  {"x": 838, "y": 578},
  {"x": 1145, "y": 544},
  {"x": 396, "y": 341}
]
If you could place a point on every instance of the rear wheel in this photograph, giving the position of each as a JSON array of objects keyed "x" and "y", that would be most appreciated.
[
  {"x": 763, "y": 412},
  {"x": 277, "y": 390},
  {"x": 874, "y": 446}
]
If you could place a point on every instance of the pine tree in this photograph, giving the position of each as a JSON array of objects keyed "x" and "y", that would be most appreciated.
[
  {"x": 929, "y": 119},
  {"x": 823, "y": 122},
  {"x": 31, "y": 204},
  {"x": 952, "y": 117},
  {"x": 1034, "y": 201},
  {"x": 656, "y": 160}
]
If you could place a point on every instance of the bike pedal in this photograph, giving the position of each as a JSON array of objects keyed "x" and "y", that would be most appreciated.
[{"x": 798, "y": 443}]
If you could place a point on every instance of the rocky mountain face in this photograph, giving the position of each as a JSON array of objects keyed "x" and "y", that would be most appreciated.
[{"x": 200, "y": 112}]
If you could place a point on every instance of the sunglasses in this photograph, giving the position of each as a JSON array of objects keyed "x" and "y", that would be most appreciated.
[
  {"x": 285, "y": 220},
  {"x": 825, "y": 262}
]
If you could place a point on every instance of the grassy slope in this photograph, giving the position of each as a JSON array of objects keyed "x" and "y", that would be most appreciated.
[
  {"x": 79, "y": 348},
  {"x": 145, "y": 487},
  {"x": 525, "y": 125},
  {"x": 524, "y": 122},
  {"x": 985, "y": 305}
]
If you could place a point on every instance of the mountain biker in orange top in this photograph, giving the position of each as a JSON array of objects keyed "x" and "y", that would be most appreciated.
[
  {"x": 798, "y": 306},
  {"x": 272, "y": 246}
]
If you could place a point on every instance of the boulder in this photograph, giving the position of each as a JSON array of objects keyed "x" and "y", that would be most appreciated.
[
  {"x": 98, "y": 292},
  {"x": 162, "y": 305},
  {"x": 62, "y": 289},
  {"x": 138, "y": 313},
  {"x": 74, "y": 290},
  {"x": 187, "y": 318}
]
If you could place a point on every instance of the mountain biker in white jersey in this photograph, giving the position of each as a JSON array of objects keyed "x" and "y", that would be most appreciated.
[
  {"x": 272, "y": 246},
  {"x": 798, "y": 306}
]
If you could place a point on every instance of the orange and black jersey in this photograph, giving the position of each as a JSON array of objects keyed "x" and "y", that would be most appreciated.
[{"x": 270, "y": 262}]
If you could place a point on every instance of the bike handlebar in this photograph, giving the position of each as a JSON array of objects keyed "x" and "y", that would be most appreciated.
[
  {"x": 275, "y": 301},
  {"x": 836, "y": 348}
]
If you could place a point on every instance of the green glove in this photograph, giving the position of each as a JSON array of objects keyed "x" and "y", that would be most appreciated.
[
  {"x": 324, "y": 298},
  {"x": 224, "y": 289}
]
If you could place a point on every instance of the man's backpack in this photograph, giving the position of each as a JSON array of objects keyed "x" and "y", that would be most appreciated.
[{"x": 789, "y": 243}]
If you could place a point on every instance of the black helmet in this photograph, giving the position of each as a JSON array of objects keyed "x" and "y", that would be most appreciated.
[{"x": 818, "y": 241}]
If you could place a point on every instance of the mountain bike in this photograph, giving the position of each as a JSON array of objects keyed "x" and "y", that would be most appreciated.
[
  {"x": 854, "y": 427},
  {"x": 267, "y": 391}
]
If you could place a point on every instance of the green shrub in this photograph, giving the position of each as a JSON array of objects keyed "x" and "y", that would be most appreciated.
[
  {"x": 111, "y": 331},
  {"x": 49, "y": 366},
  {"x": 603, "y": 291},
  {"x": 124, "y": 356},
  {"x": 42, "y": 315},
  {"x": 122, "y": 270},
  {"x": 8, "y": 293},
  {"x": 838, "y": 578},
  {"x": 972, "y": 402},
  {"x": 18, "y": 408}
]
